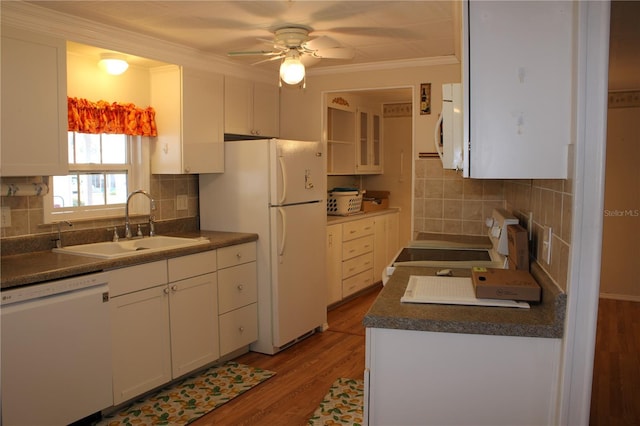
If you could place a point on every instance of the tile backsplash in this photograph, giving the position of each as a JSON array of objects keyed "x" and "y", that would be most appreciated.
[
  {"x": 444, "y": 202},
  {"x": 27, "y": 211}
]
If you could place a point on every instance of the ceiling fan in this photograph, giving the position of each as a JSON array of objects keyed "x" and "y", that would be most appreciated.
[{"x": 295, "y": 48}]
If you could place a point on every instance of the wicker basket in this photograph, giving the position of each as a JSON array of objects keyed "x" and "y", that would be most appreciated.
[{"x": 344, "y": 203}]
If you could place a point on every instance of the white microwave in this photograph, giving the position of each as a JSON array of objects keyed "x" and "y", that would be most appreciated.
[{"x": 448, "y": 133}]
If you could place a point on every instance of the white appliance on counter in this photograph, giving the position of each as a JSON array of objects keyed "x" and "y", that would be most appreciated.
[
  {"x": 56, "y": 351},
  {"x": 276, "y": 189},
  {"x": 448, "y": 137}
]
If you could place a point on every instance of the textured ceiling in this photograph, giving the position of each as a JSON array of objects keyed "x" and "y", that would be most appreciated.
[{"x": 377, "y": 30}]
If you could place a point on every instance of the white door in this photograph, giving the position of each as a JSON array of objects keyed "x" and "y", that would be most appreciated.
[
  {"x": 298, "y": 270},
  {"x": 297, "y": 172}
]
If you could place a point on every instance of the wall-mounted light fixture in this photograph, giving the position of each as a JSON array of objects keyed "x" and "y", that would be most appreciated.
[
  {"x": 113, "y": 63},
  {"x": 291, "y": 68}
]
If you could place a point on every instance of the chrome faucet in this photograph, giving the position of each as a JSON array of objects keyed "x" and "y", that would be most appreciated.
[
  {"x": 127, "y": 223},
  {"x": 59, "y": 239}
]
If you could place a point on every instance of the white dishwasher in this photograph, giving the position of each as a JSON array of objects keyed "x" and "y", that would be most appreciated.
[{"x": 56, "y": 351}]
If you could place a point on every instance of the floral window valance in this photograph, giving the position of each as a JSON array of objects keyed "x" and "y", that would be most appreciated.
[{"x": 103, "y": 117}]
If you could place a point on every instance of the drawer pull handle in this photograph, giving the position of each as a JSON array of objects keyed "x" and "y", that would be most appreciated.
[
  {"x": 239, "y": 255},
  {"x": 240, "y": 287},
  {"x": 241, "y": 329},
  {"x": 165, "y": 291},
  {"x": 174, "y": 287}
]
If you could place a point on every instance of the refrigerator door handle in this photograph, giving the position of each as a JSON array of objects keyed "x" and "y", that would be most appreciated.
[
  {"x": 283, "y": 171},
  {"x": 283, "y": 215}
]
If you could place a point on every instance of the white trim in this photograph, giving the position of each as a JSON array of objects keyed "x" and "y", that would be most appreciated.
[
  {"x": 592, "y": 54},
  {"x": 80, "y": 30},
  {"x": 387, "y": 65}
]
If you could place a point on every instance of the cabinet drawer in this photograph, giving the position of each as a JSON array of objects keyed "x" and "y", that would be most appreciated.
[
  {"x": 238, "y": 328},
  {"x": 237, "y": 287},
  {"x": 357, "y": 283},
  {"x": 136, "y": 278},
  {"x": 358, "y": 247},
  {"x": 356, "y": 265},
  {"x": 192, "y": 265},
  {"x": 236, "y": 255},
  {"x": 357, "y": 229}
]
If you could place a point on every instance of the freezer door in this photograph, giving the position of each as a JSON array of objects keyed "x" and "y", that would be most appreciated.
[
  {"x": 298, "y": 270},
  {"x": 297, "y": 172}
]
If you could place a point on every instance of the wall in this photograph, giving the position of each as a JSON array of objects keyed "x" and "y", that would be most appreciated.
[
  {"x": 27, "y": 212},
  {"x": 619, "y": 276}
]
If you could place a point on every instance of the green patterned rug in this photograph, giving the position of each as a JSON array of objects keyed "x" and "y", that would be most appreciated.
[
  {"x": 342, "y": 405},
  {"x": 191, "y": 398}
]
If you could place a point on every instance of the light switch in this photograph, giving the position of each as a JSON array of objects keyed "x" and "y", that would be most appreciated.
[{"x": 182, "y": 202}]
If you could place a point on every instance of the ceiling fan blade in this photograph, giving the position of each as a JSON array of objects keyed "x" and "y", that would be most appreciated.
[
  {"x": 309, "y": 60},
  {"x": 253, "y": 53},
  {"x": 335, "y": 53},
  {"x": 322, "y": 42},
  {"x": 273, "y": 58}
]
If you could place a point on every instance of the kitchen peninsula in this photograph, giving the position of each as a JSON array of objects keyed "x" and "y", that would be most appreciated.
[{"x": 462, "y": 365}]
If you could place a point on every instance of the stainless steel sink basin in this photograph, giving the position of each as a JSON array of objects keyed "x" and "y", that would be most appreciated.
[{"x": 133, "y": 247}]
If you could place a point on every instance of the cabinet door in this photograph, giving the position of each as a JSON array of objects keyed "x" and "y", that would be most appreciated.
[
  {"x": 194, "y": 323},
  {"x": 334, "y": 263},
  {"x": 266, "y": 110},
  {"x": 369, "y": 141},
  {"x": 238, "y": 106},
  {"x": 518, "y": 89},
  {"x": 34, "y": 105},
  {"x": 202, "y": 127},
  {"x": 380, "y": 248},
  {"x": 188, "y": 106},
  {"x": 141, "y": 342},
  {"x": 238, "y": 328}
]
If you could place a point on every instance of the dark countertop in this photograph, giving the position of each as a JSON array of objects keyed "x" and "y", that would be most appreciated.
[
  {"x": 545, "y": 319},
  {"x": 31, "y": 268}
]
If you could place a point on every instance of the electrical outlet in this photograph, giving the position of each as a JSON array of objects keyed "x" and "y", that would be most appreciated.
[
  {"x": 6, "y": 217},
  {"x": 546, "y": 244},
  {"x": 182, "y": 202}
]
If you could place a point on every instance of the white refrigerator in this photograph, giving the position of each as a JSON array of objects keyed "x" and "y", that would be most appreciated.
[{"x": 277, "y": 189}]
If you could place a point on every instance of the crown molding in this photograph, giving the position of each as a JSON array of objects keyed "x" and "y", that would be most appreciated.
[
  {"x": 41, "y": 20},
  {"x": 387, "y": 65},
  {"x": 47, "y": 22}
]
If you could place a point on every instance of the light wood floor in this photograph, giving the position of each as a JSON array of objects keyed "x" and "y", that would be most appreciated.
[
  {"x": 305, "y": 372},
  {"x": 615, "y": 395}
]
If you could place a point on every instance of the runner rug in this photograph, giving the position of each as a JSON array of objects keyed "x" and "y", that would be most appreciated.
[
  {"x": 342, "y": 405},
  {"x": 191, "y": 398}
]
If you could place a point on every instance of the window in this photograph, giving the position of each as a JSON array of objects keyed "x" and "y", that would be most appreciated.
[{"x": 103, "y": 170}]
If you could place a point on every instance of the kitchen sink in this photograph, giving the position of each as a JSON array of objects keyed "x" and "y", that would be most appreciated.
[{"x": 133, "y": 247}]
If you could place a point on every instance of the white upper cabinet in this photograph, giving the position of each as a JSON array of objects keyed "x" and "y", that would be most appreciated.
[
  {"x": 251, "y": 108},
  {"x": 34, "y": 105},
  {"x": 517, "y": 78},
  {"x": 369, "y": 141},
  {"x": 189, "y": 117}
]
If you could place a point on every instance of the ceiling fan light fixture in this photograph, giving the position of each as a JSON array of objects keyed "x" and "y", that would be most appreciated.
[
  {"x": 113, "y": 63},
  {"x": 292, "y": 69}
]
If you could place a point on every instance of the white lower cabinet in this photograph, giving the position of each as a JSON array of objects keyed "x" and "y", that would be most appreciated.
[
  {"x": 334, "y": 263},
  {"x": 164, "y": 318},
  {"x": 358, "y": 250},
  {"x": 237, "y": 297},
  {"x": 140, "y": 329},
  {"x": 431, "y": 378}
]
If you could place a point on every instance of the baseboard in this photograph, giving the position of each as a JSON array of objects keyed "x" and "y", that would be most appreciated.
[{"x": 627, "y": 297}]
